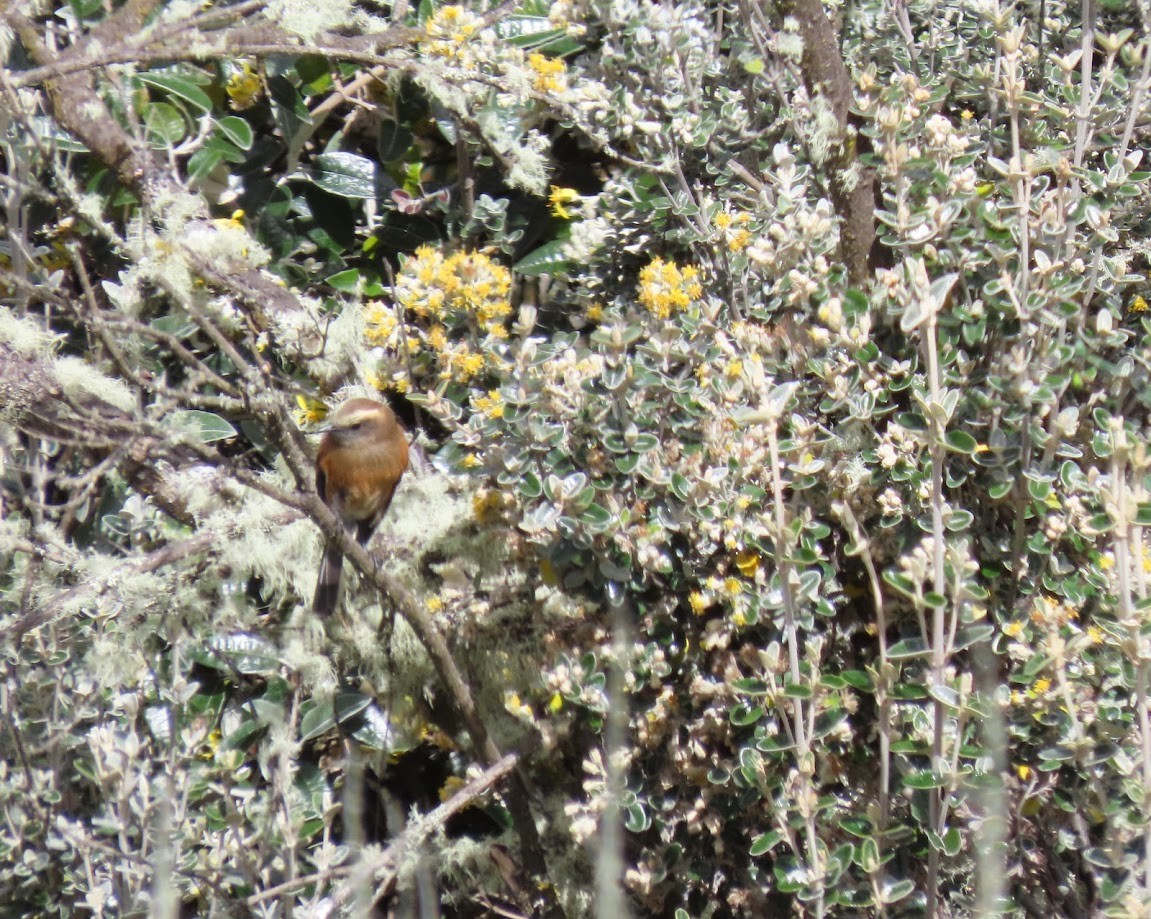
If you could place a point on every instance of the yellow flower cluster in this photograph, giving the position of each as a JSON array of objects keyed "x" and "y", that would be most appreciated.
[
  {"x": 380, "y": 323},
  {"x": 491, "y": 405},
  {"x": 449, "y": 30},
  {"x": 665, "y": 287},
  {"x": 464, "y": 285},
  {"x": 551, "y": 73},
  {"x": 487, "y": 504}
]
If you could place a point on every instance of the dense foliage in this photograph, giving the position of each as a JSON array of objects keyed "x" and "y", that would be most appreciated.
[{"x": 783, "y": 372}]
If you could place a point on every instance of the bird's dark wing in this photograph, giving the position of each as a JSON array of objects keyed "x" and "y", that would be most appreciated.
[{"x": 321, "y": 484}]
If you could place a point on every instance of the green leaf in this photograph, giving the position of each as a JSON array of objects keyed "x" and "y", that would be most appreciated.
[
  {"x": 597, "y": 518},
  {"x": 958, "y": 519},
  {"x": 203, "y": 161},
  {"x": 373, "y": 729},
  {"x": 1038, "y": 489},
  {"x": 344, "y": 280},
  {"x": 548, "y": 259},
  {"x": 961, "y": 442},
  {"x": 316, "y": 719},
  {"x": 923, "y": 779},
  {"x": 972, "y": 634},
  {"x": 289, "y": 104},
  {"x": 165, "y": 125},
  {"x": 859, "y": 679},
  {"x": 347, "y": 175},
  {"x": 999, "y": 490},
  {"x": 392, "y": 141},
  {"x": 207, "y": 427},
  {"x": 895, "y": 891},
  {"x": 349, "y": 704},
  {"x": 644, "y": 443},
  {"x": 945, "y": 695},
  {"x": 908, "y": 647},
  {"x": 859, "y": 827},
  {"x": 180, "y": 87},
  {"x": 236, "y": 130},
  {"x": 636, "y": 818},
  {"x": 743, "y": 714},
  {"x": 240, "y": 652},
  {"x": 761, "y": 845}
]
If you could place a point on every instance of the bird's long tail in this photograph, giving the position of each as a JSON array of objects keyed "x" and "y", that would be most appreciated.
[{"x": 328, "y": 582}]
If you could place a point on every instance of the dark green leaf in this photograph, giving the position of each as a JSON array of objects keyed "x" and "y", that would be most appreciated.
[
  {"x": 348, "y": 175},
  {"x": 180, "y": 87}
]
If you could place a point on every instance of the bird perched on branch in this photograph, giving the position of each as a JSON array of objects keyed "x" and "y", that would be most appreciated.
[{"x": 362, "y": 457}]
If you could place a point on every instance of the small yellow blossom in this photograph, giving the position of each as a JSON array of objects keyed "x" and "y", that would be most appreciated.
[
  {"x": 434, "y": 605},
  {"x": 1040, "y": 686},
  {"x": 438, "y": 339},
  {"x": 733, "y": 587},
  {"x": 244, "y": 87},
  {"x": 748, "y": 563},
  {"x": 555, "y": 703},
  {"x": 235, "y": 222},
  {"x": 1051, "y": 613},
  {"x": 1138, "y": 305},
  {"x": 309, "y": 411},
  {"x": 967, "y": 114},
  {"x": 486, "y": 504},
  {"x": 452, "y": 784},
  {"x": 739, "y": 619},
  {"x": 1013, "y": 629},
  {"x": 560, "y": 198},
  {"x": 698, "y": 602},
  {"x": 1023, "y": 771},
  {"x": 471, "y": 461},
  {"x": 208, "y": 748},
  {"x": 595, "y": 312}
]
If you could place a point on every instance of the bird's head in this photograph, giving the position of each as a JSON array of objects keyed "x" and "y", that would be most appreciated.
[{"x": 360, "y": 421}]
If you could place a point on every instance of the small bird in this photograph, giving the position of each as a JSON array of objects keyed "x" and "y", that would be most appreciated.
[{"x": 362, "y": 457}]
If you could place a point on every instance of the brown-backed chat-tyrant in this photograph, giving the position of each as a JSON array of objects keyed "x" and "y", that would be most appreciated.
[{"x": 360, "y": 462}]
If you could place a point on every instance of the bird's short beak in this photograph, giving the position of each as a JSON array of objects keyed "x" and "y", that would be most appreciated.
[{"x": 321, "y": 429}]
